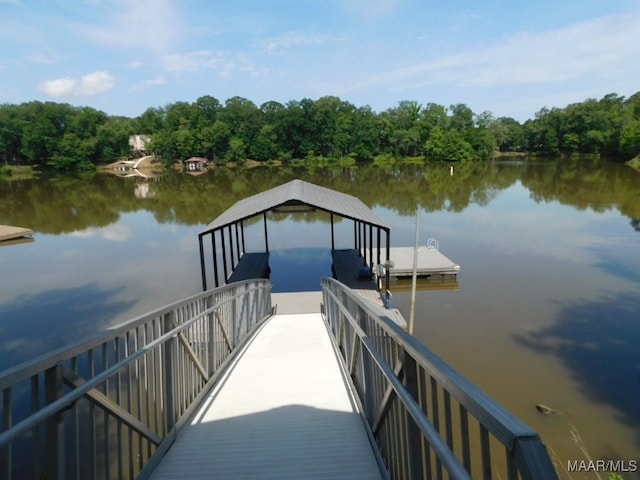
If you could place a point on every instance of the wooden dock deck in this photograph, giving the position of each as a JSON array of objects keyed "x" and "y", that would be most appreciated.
[
  {"x": 8, "y": 232},
  {"x": 285, "y": 412}
]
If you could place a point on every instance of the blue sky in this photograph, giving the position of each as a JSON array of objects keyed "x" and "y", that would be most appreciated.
[{"x": 509, "y": 57}]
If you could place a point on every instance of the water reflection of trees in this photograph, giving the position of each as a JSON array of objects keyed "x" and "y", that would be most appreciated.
[{"x": 64, "y": 204}]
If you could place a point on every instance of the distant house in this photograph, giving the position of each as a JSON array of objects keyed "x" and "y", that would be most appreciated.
[
  {"x": 196, "y": 165},
  {"x": 138, "y": 144}
]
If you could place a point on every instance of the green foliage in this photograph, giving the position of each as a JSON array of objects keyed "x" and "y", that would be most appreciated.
[
  {"x": 448, "y": 145},
  {"x": 609, "y": 126},
  {"x": 323, "y": 131}
]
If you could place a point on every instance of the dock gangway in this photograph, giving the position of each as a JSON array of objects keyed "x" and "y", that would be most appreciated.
[{"x": 112, "y": 406}]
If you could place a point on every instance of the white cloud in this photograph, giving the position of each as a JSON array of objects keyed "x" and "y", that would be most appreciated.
[
  {"x": 601, "y": 47},
  {"x": 297, "y": 39},
  {"x": 148, "y": 83},
  {"x": 224, "y": 63},
  {"x": 60, "y": 87},
  {"x": 41, "y": 58},
  {"x": 143, "y": 24},
  {"x": 91, "y": 84}
]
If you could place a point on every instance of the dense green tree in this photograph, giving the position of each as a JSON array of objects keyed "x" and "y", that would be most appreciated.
[
  {"x": 150, "y": 122},
  {"x": 66, "y": 137},
  {"x": 448, "y": 145},
  {"x": 509, "y": 134},
  {"x": 11, "y": 127}
]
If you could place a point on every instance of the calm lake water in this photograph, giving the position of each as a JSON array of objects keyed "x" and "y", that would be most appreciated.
[{"x": 545, "y": 309}]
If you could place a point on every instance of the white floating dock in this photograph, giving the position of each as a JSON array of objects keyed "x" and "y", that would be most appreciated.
[
  {"x": 7, "y": 232},
  {"x": 429, "y": 262}
]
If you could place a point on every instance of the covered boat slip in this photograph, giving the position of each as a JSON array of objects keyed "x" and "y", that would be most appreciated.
[{"x": 227, "y": 254}]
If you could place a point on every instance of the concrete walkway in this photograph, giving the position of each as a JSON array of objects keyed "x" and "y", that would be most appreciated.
[{"x": 284, "y": 411}]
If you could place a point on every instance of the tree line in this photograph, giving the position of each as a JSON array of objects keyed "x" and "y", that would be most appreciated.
[{"x": 66, "y": 137}]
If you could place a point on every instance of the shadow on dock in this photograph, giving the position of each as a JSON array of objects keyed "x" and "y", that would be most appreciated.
[{"x": 293, "y": 441}]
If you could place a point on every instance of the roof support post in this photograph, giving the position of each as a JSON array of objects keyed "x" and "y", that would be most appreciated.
[
  {"x": 355, "y": 234},
  {"x": 233, "y": 262},
  {"x": 266, "y": 236},
  {"x": 333, "y": 240},
  {"x": 370, "y": 245},
  {"x": 379, "y": 246},
  {"x": 388, "y": 275},
  {"x": 242, "y": 233},
  {"x": 202, "y": 267},
  {"x": 215, "y": 259},
  {"x": 224, "y": 255},
  {"x": 237, "y": 241}
]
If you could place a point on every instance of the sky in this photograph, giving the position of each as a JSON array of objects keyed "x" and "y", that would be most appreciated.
[{"x": 508, "y": 57}]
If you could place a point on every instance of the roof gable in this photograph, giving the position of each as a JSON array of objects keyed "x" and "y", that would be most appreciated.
[{"x": 297, "y": 192}]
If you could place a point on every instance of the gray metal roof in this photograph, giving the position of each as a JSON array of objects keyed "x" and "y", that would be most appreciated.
[{"x": 298, "y": 192}]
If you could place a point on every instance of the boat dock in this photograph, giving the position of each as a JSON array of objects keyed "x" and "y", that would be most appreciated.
[
  {"x": 11, "y": 234},
  {"x": 284, "y": 385},
  {"x": 430, "y": 262},
  {"x": 239, "y": 382}
]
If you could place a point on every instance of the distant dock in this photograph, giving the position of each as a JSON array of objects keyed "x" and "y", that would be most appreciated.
[
  {"x": 9, "y": 234},
  {"x": 430, "y": 262}
]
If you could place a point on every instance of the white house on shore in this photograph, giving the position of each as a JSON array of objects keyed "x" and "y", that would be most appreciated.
[{"x": 138, "y": 144}]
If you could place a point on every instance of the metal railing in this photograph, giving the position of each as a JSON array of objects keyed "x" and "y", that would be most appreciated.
[
  {"x": 427, "y": 420},
  {"x": 109, "y": 407}
]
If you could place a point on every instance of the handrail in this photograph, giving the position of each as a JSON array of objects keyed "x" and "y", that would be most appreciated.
[
  {"x": 110, "y": 406},
  {"x": 424, "y": 415}
]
